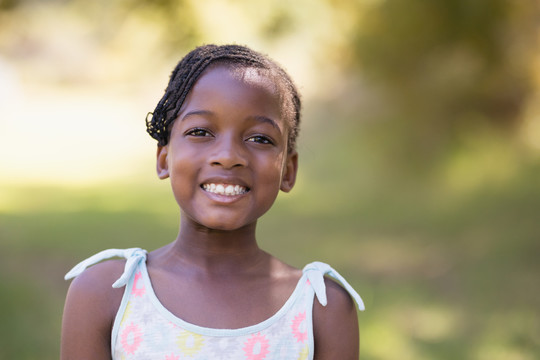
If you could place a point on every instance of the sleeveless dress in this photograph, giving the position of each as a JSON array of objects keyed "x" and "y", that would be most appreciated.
[{"x": 145, "y": 329}]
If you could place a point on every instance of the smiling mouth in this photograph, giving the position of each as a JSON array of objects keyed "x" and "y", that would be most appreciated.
[{"x": 225, "y": 189}]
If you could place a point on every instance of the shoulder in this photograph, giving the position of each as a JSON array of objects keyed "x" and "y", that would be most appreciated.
[
  {"x": 282, "y": 269},
  {"x": 339, "y": 302},
  {"x": 92, "y": 289},
  {"x": 97, "y": 280},
  {"x": 335, "y": 325},
  {"x": 338, "y": 297},
  {"x": 90, "y": 309},
  {"x": 285, "y": 275}
]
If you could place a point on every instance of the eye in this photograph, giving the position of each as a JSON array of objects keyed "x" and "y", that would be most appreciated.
[
  {"x": 261, "y": 139},
  {"x": 198, "y": 132}
]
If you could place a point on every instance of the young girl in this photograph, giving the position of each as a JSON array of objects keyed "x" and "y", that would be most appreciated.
[{"x": 226, "y": 130}]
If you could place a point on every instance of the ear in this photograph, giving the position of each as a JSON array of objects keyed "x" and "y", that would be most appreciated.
[
  {"x": 162, "y": 163},
  {"x": 289, "y": 172}
]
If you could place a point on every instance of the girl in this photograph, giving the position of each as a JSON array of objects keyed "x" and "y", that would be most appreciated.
[{"x": 226, "y": 130}]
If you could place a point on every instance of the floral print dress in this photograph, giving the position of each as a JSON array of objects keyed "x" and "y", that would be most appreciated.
[{"x": 145, "y": 329}]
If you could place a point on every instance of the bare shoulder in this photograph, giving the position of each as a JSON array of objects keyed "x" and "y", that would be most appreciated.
[
  {"x": 336, "y": 325},
  {"x": 89, "y": 312},
  {"x": 95, "y": 284},
  {"x": 284, "y": 273},
  {"x": 338, "y": 298},
  {"x": 283, "y": 269},
  {"x": 102, "y": 274}
]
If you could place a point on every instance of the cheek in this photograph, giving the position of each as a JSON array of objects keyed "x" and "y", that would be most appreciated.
[
  {"x": 182, "y": 173},
  {"x": 182, "y": 158},
  {"x": 272, "y": 171}
]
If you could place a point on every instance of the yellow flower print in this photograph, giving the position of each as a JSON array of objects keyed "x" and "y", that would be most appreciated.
[
  {"x": 304, "y": 353},
  {"x": 189, "y": 343},
  {"x": 127, "y": 313}
]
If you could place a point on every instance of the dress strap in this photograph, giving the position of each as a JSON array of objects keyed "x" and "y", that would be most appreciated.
[
  {"x": 315, "y": 272},
  {"x": 134, "y": 256}
]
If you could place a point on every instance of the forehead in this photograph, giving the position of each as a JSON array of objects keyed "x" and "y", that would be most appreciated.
[
  {"x": 241, "y": 86},
  {"x": 250, "y": 76}
]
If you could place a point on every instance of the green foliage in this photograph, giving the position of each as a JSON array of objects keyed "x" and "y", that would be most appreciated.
[{"x": 443, "y": 67}]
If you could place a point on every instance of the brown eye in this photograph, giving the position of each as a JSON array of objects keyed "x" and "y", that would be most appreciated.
[
  {"x": 260, "y": 139},
  {"x": 198, "y": 132}
]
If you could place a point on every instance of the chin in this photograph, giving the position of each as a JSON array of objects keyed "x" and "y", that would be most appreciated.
[{"x": 224, "y": 225}]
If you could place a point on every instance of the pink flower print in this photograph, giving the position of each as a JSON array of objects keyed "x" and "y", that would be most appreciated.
[
  {"x": 256, "y": 347},
  {"x": 172, "y": 357},
  {"x": 131, "y": 338},
  {"x": 138, "y": 289},
  {"x": 298, "y": 325}
]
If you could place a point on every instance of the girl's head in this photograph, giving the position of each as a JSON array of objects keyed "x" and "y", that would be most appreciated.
[
  {"x": 226, "y": 128},
  {"x": 194, "y": 64}
]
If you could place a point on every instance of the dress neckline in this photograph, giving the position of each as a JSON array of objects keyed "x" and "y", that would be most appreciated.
[{"x": 202, "y": 330}]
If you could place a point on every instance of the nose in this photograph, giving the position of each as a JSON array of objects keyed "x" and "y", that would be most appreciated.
[{"x": 228, "y": 152}]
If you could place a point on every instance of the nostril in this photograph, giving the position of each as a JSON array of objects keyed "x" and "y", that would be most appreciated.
[
  {"x": 228, "y": 160},
  {"x": 228, "y": 152}
]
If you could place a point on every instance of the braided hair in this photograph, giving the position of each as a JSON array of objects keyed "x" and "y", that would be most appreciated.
[{"x": 192, "y": 66}]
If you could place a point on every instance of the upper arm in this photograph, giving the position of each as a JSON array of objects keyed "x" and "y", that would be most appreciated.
[
  {"x": 89, "y": 312},
  {"x": 335, "y": 325}
]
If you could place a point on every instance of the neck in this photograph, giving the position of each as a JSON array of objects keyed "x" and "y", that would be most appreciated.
[{"x": 217, "y": 251}]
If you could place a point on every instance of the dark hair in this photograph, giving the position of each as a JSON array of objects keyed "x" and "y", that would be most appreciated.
[{"x": 190, "y": 68}]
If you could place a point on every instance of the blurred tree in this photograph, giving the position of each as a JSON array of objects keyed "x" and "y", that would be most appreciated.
[
  {"x": 174, "y": 19},
  {"x": 8, "y": 4},
  {"x": 444, "y": 67},
  {"x": 175, "y": 16}
]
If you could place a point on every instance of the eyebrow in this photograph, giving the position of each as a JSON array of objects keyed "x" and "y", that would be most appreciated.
[
  {"x": 196, "y": 112},
  {"x": 259, "y": 118},
  {"x": 264, "y": 119}
]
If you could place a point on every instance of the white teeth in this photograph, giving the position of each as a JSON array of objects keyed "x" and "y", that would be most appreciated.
[{"x": 225, "y": 189}]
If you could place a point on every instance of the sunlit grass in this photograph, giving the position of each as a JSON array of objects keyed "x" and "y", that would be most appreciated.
[{"x": 442, "y": 282}]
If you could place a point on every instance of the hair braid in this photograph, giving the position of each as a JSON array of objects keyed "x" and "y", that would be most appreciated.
[{"x": 190, "y": 68}]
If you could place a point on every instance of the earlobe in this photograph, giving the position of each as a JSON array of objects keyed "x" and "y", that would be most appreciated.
[
  {"x": 162, "y": 164},
  {"x": 289, "y": 172}
]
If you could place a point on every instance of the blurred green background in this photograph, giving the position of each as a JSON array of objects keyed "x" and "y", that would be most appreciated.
[{"x": 419, "y": 157}]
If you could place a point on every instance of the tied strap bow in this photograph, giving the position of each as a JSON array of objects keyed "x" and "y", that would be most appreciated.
[
  {"x": 134, "y": 256},
  {"x": 315, "y": 273}
]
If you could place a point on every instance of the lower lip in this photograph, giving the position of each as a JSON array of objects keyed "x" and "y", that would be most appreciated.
[{"x": 225, "y": 199}]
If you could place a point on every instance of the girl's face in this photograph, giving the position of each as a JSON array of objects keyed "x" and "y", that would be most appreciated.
[{"x": 227, "y": 154}]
